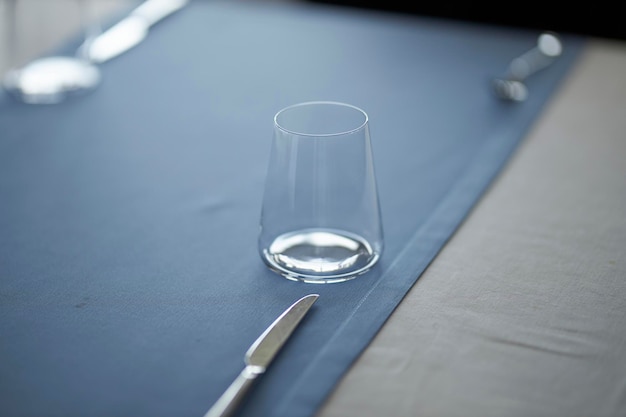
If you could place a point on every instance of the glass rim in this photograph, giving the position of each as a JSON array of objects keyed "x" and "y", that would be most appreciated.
[{"x": 325, "y": 102}]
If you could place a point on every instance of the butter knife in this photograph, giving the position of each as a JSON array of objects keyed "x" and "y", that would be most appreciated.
[
  {"x": 260, "y": 354},
  {"x": 129, "y": 31}
]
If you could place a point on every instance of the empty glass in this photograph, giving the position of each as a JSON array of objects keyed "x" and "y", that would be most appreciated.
[{"x": 320, "y": 219}]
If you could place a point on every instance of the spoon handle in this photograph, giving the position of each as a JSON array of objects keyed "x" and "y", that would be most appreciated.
[{"x": 548, "y": 48}]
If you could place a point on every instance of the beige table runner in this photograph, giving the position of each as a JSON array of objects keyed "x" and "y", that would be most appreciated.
[{"x": 489, "y": 332}]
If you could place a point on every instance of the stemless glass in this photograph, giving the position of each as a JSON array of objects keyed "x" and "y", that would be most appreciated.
[{"x": 320, "y": 219}]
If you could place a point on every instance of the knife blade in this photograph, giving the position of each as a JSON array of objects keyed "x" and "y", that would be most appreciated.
[
  {"x": 260, "y": 355},
  {"x": 129, "y": 31}
]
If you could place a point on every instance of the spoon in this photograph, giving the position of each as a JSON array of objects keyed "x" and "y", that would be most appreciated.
[
  {"x": 52, "y": 79},
  {"x": 49, "y": 80},
  {"x": 512, "y": 86}
]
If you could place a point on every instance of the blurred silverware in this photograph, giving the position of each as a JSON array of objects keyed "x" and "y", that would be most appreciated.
[
  {"x": 50, "y": 80},
  {"x": 129, "y": 31},
  {"x": 512, "y": 87}
]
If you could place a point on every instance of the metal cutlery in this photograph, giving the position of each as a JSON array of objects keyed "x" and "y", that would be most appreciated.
[
  {"x": 129, "y": 31},
  {"x": 260, "y": 355},
  {"x": 512, "y": 87},
  {"x": 50, "y": 80}
]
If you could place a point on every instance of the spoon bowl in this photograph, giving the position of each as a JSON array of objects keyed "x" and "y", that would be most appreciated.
[{"x": 50, "y": 80}]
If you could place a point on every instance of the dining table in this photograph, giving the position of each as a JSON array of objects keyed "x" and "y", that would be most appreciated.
[{"x": 130, "y": 278}]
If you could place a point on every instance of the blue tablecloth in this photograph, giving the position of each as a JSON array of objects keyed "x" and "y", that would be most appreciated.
[{"x": 130, "y": 282}]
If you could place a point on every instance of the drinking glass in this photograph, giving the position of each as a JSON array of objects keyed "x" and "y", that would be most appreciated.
[{"x": 320, "y": 217}]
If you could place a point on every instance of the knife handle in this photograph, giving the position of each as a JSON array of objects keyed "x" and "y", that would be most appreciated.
[{"x": 230, "y": 399}]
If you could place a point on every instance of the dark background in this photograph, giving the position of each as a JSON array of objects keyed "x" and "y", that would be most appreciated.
[{"x": 601, "y": 19}]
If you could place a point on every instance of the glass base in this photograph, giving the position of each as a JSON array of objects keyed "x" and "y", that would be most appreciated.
[{"x": 320, "y": 256}]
